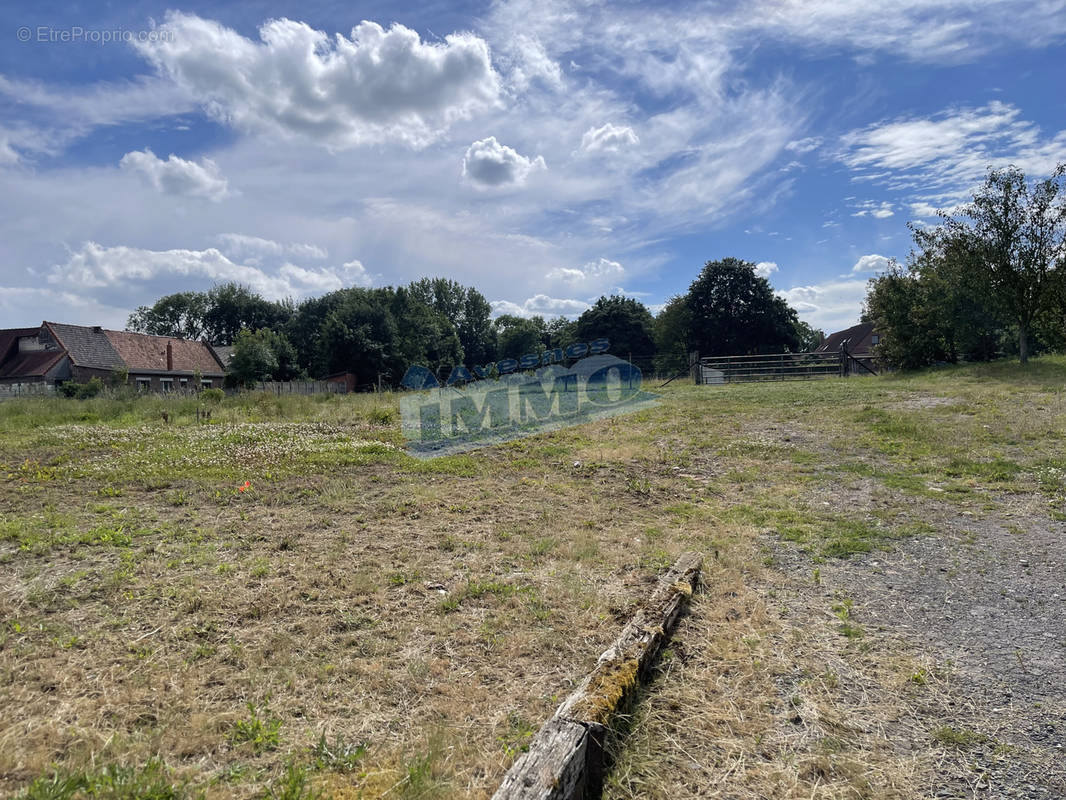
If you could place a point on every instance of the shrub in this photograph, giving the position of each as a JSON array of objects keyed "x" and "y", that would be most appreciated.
[
  {"x": 82, "y": 391},
  {"x": 212, "y": 396}
]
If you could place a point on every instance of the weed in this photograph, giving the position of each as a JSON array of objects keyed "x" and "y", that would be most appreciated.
[
  {"x": 262, "y": 730},
  {"x": 960, "y": 739},
  {"x": 112, "y": 782},
  {"x": 340, "y": 756},
  {"x": 294, "y": 784}
]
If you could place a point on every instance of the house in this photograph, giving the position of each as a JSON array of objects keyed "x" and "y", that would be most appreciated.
[
  {"x": 860, "y": 340},
  {"x": 39, "y": 359},
  {"x": 27, "y": 367}
]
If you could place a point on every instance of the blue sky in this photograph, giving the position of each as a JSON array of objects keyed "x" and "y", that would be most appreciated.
[{"x": 546, "y": 152}]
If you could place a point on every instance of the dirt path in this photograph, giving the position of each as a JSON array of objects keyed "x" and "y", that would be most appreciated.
[{"x": 986, "y": 600}]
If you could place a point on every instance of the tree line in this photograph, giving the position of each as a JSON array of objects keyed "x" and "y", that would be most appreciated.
[
  {"x": 438, "y": 323},
  {"x": 988, "y": 281}
]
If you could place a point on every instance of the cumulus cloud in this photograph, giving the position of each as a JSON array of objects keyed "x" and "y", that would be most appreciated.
[
  {"x": 95, "y": 266},
  {"x": 870, "y": 264},
  {"x": 764, "y": 269},
  {"x": 530, "y": 61},
  {"x": 177, "y": 176},
  {"x": 540, "y": 304},
  {"x": 489, "y": 164},
  {"x": 608, "y": 138},
  {"x": 378, "y": 85},
  {"x": 593, "y": 278},
  {"x": 830, "y": 306}
]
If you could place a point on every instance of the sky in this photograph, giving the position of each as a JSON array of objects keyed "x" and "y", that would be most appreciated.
[{"x": 545, "y": 152}]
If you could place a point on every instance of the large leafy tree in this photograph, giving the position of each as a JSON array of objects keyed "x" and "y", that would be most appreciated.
[
  {"x": 673, "y": 328},
  {"x": 180, "y": 315},
  {"x": 809, "y": 337},
  {"x": 217, "y": 315},
  {"x": 425, "y": 335},
  {"x": 231, "y": 307},
  {"x": 262, "y": 355},
  {"x": 517, "y": 336},
  {"x": 360, "y": 336},
  {"x": 468, "y": 311},
  {"x": 735, "y": 312},
  {"x": 1017, "y": 234},
  {"x": 897, "y": 303},
  {"x": 626, "y": 323}
]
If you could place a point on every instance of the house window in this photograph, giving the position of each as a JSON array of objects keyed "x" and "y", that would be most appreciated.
[
  {"x": 144, "y": 384},
  {"x": 875, "y": 339},
  {"x": 167, "y": 384},
  {"x": 183, "y": 383},
  {"x": 206, "y": 384}
]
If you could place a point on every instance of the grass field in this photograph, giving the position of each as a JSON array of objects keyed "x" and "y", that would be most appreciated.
[{"x": 282, "y": 603}]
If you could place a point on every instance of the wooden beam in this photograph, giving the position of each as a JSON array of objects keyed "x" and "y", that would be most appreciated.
[{"x": 565, "y": 759}]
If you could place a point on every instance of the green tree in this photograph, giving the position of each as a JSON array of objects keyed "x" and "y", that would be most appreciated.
[
  {"x": 517, "y": 336},
  {"x": 468, "y": 311},
  {"x": 810, "y": 338},
  {"x": 735, "y": 312},
  {"x": 179, "y": 315},
  {"x": 231, "y": 307},
  {"x": 254, "y": 358},
  {"x": 896, "y": 302},
  {"x": 425, "y": 335},
  {"x": 562, "y": 333},
  {"x": 626, "y": 323},
  {"x": 672, "y": 329},
  {"x": 1017, "y": 233},
  {"x": 360, "y": 336}
]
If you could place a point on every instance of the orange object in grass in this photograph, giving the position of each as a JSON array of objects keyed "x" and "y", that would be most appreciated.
[{"x": 246, "y": 485}]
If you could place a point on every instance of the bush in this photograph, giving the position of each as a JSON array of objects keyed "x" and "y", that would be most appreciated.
[
  {"x": 212, "y": 396},
  {"x": 82, "y": 391}
]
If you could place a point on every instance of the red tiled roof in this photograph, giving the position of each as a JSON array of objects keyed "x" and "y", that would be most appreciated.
[{"x": 140, "y": 351}]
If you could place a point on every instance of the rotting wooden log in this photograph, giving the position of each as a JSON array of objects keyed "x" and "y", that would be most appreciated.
[{"x": 565, "y": 759}]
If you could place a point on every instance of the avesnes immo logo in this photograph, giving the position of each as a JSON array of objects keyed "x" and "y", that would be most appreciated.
[{"x": 508, "y": 399}]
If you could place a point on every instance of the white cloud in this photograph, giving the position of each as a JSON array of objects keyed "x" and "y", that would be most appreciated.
[
  {"x": 7, "y": 152},
  {"x": 830, "y": 306},
  {"x": 105, "y": 103},
  {"x": 608, "y": 139},
  {"x": 804, "y": 145},
  {"x": 871, "y": 263},
  {"x": 870, "y": 208},
  {"x": 95, "y": 266},
  {"x": 489, "y": 164},
  {"x": 529, "y": 61},
  {"x": 593, "y": 278},
  {"x": 764, "y": 269},
  {"x": 542, "y": 305},
  {"x": 379, "y": 85},
  {"x": 938, "y": 160},
  {"x": 242, "y": 246},
  {"x": 177, "y": 176},
  {"x": 953, "y": 31},
  {"x": 76, "y": 308}
]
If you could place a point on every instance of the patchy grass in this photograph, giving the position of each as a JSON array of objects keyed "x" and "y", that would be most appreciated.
[{"x": 413, "y": 622}]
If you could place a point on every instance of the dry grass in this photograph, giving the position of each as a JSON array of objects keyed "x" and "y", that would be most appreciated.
[
  {"x": 436, "y": 612},
  {"x": 763, "y": 695}
]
